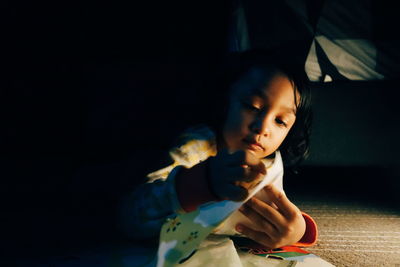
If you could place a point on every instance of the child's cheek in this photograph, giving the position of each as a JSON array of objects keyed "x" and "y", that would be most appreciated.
[
  {"x": 231, "y": 135},
  {"x": 234, "y": 119}
]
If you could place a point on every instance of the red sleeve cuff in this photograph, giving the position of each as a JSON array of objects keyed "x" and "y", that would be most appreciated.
[
  {"x": 311, "y": 235},
  {"x": 192, "y": 187}
]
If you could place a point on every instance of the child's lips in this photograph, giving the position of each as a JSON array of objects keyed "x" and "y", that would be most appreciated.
[{"x": 254, "y": 145}]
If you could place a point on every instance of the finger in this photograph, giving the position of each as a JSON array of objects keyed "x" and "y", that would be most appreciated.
[
  {"x": 255, "y": 174},
  {"x": 236, "y": 173},
  {"x": 259, "y": 237},
  {"x": 287, "y": 208},
  {"x": 241, "y": 174},
  {"x": 241, "y": 157},
  {"x": 260, "y": 222},
  {"x": 258, "y": 168},
  {"x": 255, "y": 163},
  {"x": 235, "y": 193},
  {"x": 247, "y": 159},
  {"x": 267, "y": 212},
  {"x": 236, "y": 158},
  {"x": 251, "y": 160},
  {"x": 250, "y": 181}
]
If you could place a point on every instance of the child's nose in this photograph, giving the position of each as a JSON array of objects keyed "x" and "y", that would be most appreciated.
[{"x": 261, "y": 125}]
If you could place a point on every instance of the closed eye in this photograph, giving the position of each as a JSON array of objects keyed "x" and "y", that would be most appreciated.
[
  {"x": 280, "y": 122},
  {"x": 250, "y": 107}
]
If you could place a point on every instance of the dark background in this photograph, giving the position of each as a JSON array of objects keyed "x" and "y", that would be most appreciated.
[{"x": 93, "y": 93}]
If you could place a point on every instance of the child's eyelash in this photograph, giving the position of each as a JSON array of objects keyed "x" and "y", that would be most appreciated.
[
  {"x": 281, "y": 122},
  {"x": 256, "y": 109},
  {"x": 250, "y": 106}
]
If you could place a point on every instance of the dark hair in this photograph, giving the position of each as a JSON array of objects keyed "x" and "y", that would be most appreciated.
[{"x": 295, "y": 147}]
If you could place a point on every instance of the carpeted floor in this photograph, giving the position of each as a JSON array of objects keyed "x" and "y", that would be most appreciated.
[
  {"x": 351, "y": 233},
  {"x": 355, "y": 233}
]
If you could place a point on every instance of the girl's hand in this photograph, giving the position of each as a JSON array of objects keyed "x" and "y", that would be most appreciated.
[
  {"x": 273, "y": 225},
  {"x": 228, "y": 173}
]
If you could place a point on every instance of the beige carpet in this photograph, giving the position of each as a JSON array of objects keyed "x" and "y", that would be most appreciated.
[{"x": 355, "y": 233}]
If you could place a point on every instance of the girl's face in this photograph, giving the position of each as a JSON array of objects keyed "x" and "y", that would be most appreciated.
[{"x": 261, "y": 112}]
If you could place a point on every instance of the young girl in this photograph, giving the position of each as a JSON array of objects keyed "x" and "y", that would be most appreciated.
[{"x": 264, "y": 113}]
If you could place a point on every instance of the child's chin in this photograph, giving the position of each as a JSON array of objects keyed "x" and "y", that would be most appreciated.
[{"x": 257, "y": 154}]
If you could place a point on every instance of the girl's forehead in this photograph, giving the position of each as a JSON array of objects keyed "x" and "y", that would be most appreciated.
[{"x": 254, "y": 81}]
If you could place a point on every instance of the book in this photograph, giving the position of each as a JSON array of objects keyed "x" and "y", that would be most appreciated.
[{"x": 287, "y": 256}]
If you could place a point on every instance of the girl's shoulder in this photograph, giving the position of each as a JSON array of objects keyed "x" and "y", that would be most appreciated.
[{"x": 194, "y": 145}]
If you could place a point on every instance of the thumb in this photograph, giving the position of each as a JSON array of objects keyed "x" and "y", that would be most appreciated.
[{"x": 255, "y": 163}]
